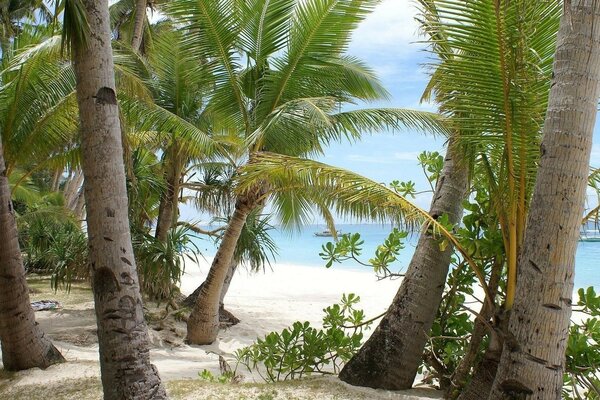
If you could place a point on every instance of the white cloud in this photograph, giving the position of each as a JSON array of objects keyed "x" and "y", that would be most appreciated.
[{"x": 390, "y": 28}]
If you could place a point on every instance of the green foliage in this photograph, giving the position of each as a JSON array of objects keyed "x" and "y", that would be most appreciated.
[
  {"x": 224, "y": 377},
  {"x": 432, "y": 164},
  {"x": 349, "y": 247},
  {"x": 53, "y": 242},
  {"x": 161, "y": 265},
  {"x": 582, "y": 372},
  {"x": 302, "y": 350}
]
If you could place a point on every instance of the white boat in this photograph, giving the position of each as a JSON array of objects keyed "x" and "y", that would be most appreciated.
[{"x": 327, "y": 233}]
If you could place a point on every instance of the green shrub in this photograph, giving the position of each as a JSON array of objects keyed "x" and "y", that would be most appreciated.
[{"x": 304, "y": 350}]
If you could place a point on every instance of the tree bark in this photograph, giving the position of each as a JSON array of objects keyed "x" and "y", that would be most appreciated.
[
  {"x": 24, "y": 345},
  {"x": 122, "y": 332},
  {"x": 391, "y": 356},
  {"x": 458, "y": 380},
  {"x": 168, "y": 207},
  {"x": 138, "y": 26},
  {"x": 203, "y": 323},
  {"x": 72, "y": 189},
  {"x": 533, "y": 357}
]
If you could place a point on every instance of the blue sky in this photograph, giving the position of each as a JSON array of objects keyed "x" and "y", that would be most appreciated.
[{"x": 389, "y": 42}]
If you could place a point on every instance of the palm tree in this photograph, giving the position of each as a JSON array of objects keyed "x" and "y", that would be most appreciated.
[
  {"x": 533, "y": 359},
  {"x": 122, "y": 331},
  {"x": 24, "y": 345},
  {"x": 507, "y": 42},
  {"x": 179, "y": 85},
  {"x": 286, "y": 100},
  {"x": 13, "y": 14},
  {"x": 391, "y": 356}
]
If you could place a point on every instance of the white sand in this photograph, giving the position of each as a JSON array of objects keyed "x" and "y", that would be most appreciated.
[{"x": 264, "y": 302}]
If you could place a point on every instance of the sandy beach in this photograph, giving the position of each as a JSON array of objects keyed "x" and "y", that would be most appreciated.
[{"x": 264, "y": 302}]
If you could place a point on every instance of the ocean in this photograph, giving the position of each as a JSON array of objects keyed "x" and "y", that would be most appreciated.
[{"x": 303, "y": 248}]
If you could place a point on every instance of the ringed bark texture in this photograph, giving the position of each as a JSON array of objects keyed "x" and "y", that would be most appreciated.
[
  {"x": 24, "y": 344},
  {"x": 533, "y": 358},
  {"x": 122, "y": 332},
  {"x": 391, "y": 356}
]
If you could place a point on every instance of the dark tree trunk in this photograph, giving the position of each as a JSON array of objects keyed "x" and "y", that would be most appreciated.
[
  {"x": 122, "y": 332},
  {"x": 24, "y": 345},
  {"x": 169, "y": 201},
  {"x": 392, "y": 355}
]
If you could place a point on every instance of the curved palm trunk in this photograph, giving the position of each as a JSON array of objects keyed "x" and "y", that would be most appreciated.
[
  {"x": 122, "y": 332},
  {"x": 533, "y": 358},
  {"x": 23, "y": 342},
  {"x": 203, "y": 323},
  {"x": 391, "y": 356},
  {"x": 138, "y": 26}
]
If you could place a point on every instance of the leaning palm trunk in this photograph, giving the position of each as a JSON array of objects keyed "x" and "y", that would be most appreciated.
[
  {"x": 392, "y": 355},
  {"x": 138, "y": 25},
  {"x": 23, "y": 342},
  {"x": 533, "y": 358},
  {"x": 122, "y": 332},
  {"x": 203, "y": 323}
]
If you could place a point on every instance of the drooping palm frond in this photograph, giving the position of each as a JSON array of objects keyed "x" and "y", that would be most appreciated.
[
  {"x": 38, "y": 113},
  {"x": 306, "y": 125},
  {"x": 301, "y": 183}
]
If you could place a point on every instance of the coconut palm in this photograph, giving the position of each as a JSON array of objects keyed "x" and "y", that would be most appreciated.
[
  {"x": 14, "y": 14},
  {"x": 24, "y": 344},
  {"x": 122, "y": 331},
  {"x": 533, "y": 361},
  {"x": 511, "y": 42},
  {"x": 281, "y": 75}
]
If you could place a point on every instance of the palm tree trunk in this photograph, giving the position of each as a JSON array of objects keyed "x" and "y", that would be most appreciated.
[
  {"x": 24, "y": 345},
  {"x": 533, "y": 358},
  {"x": 71, "y": 190},
  {"x": 203, "y": 323},
  {"x": 169, "y": 201},
  {"x": 391, "y": 356},
  {"x": 138, "y": 26},
  {"x": 122, "y": 332}
]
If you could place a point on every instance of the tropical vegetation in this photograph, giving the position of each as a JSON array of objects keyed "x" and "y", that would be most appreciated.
[{"x": 118, "y": 118}]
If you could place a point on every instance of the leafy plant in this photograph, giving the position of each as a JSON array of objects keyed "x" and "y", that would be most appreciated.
[
  {"x": 349, "y": 247},
  {"x": 161, "y": 265},
  {"x": 302, "y": 350},
  {"x": 582, "y": 372}
]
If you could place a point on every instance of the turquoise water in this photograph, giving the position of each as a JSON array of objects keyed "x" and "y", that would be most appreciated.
[{"x": 303, "y": 248}]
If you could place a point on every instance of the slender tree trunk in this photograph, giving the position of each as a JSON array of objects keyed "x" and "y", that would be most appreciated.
[
  {"x": 122, "y": 332},
  {"x": 168, "y": 207},
  {"x": 203, "y": 323},
  {"x": 391, "y": 356},
  {"x": 72, "y": 189},
  {"x": 54, "y": 186},
  {"x": 24, "y": 345},
  {"x": 458, "y": 380},
  {"x": 138, "y": 26},
  {"x": 533, "y": 358},
  {"x": 80, "y": 206}
]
